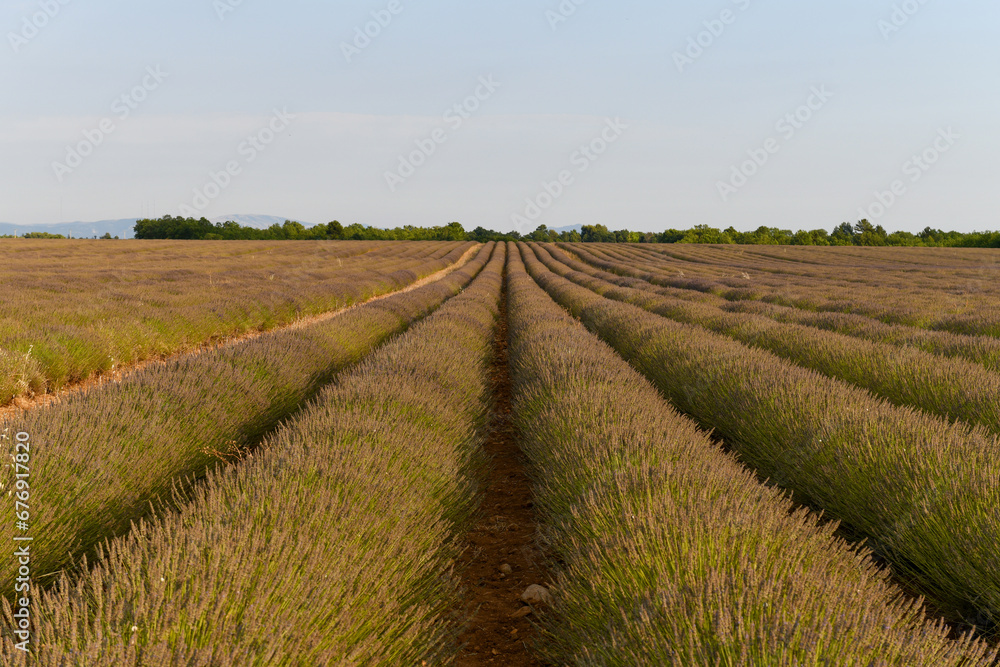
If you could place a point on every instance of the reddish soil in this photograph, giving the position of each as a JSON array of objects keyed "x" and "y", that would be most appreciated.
[
  {"x": 23, "y": 403},
  {"x": 504, "y": 536}
]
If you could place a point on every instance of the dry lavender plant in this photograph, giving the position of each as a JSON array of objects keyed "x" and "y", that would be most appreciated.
[
  {"x": 953, "y": 388},
  {"x": 75, "y": 309},
  {"x": 333, "y": 545},
  {"x": 673, "y": 553},
  {"x": 923, "y": 490},
  {"x": 106, "y": 454}
]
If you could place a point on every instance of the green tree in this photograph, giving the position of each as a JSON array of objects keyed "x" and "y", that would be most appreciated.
[
  {"x": 867, "y": 234},
  {"x": 169, "y": 227},
  {"x": 540, "y": 234},
  {"x": 706, "y": 234},
  {"x": 596, "y": 234},
  {"x": 39, "y": 235},
  {"x": 294, "y": 230},
  {"x": 453, "y": 231},
  {"x": 843, "y": 234},
  {"x": 803, "y": 237},
  {"x": 903, "y": 239},
  {"x": 671, "y": 236}
]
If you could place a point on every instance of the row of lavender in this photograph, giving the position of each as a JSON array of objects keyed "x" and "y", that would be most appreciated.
[
  {"x": 671, "y": 552},
  {"x": 833, "y": 272},
  {"x": 70, "y": 312},
  {"x": 111, "y": 452},
  {"x": 955, "y": 388},
  {"x": 333, "y": 544},
  {"x": 984, "y": 350},
  {"x": 960, "y": 298},
  {"x": 922, "y": 488}
]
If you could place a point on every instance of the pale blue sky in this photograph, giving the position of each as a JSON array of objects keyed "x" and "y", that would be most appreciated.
[{"x": 680, "y": 133}]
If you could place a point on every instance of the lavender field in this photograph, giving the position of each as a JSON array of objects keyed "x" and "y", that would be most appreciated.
[{"x": 328, "y": 452}]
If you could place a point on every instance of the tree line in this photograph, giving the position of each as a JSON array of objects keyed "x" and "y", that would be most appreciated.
[
  {"x": 862, "y": 233},
  {"x": 169, "y": 227},
  {"x": 48, "y": 235}
]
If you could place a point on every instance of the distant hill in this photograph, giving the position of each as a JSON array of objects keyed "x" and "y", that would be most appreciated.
[
  {"x": 78, "y": 230},
  {"x": 571, "y": 228},
  {"x": 124, "y": 228}
]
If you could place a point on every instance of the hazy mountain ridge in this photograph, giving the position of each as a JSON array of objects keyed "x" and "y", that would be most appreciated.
[
  {"x": 79, "y": 230},
  {"x": 123, "y": 228},
  {"x": 571, "y": 228}
]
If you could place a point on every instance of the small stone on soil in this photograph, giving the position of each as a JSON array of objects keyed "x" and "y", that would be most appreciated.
[{"x": 536, "y": 594}]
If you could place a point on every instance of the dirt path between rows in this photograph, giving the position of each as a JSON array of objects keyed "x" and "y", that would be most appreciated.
[
  {"x": 496, "y": 634},
  {"x": 22, "y": 404}
]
